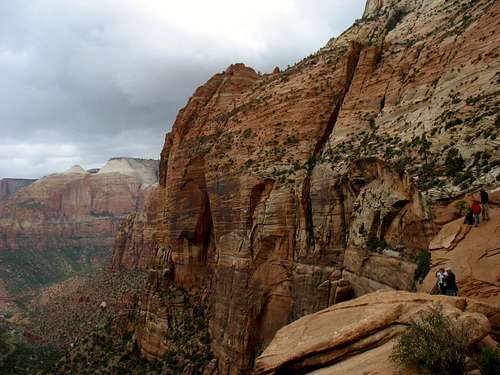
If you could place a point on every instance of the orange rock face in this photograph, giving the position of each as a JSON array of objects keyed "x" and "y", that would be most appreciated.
[
  {"x": 134, "y": 242},
  {"x": 282, "y": 194}
]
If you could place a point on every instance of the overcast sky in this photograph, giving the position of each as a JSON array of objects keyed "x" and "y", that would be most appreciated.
[{"x": 85, "y": 80}]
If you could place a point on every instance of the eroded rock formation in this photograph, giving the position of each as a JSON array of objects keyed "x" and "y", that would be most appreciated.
[
  {"x": 282, "y": 194},
  {"x": 357, "y": 337}
]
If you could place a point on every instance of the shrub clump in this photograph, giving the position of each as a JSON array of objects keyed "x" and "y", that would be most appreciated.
[
  {"x": 461, "y": 207},
  {"x": 432, "y": 344},
  {"x": 454, "y": 162},
  {"x": 423, "y": 265},
  {"x": 489, "y": 361},
  {"x": 375, "y": 244}
]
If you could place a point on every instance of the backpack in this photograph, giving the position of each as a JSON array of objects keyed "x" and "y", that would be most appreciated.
[{"x": 469, "y": 219}]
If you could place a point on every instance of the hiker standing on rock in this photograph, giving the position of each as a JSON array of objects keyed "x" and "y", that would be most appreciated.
[
  {"x": 476, "y": 211},
  {"x": 469, "y": 217},
  {"x": 451, "y": 283},
  {"x": 484, "y": 205},
  {"x": 440, "y": 275}
]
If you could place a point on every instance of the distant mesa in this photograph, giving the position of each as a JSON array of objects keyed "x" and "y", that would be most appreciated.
[
  {"x": 75, "y": 169},
  {"x": 48, "y": 214},
  {"x": 146, "y": 170}
]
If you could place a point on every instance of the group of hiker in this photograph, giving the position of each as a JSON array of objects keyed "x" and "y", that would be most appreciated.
[
  {"x": 446, "y": 282},
  {"x": 476, "y": 209}
]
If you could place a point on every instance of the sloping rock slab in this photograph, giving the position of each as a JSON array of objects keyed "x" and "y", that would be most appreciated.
[
  {"x": 331, "y": 341},
  {"x": 449, "y": 235}
]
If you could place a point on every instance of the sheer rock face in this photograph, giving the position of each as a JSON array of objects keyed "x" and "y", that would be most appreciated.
[
  {"x": 72, "y": 209},
  {"x": 274, "y": 188},
  {"x": 357, "y": 337},
  {"x": 9, "y": 186},
  {"x": 372, "y": 7},
  {"x": 134, "y": 242}
]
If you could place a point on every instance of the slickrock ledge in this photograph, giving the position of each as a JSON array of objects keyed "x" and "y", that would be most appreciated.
[{"x": 357, "y": 337}]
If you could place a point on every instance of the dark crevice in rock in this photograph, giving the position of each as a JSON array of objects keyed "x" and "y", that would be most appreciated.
[
  {"x": 386, "y": 223},
  {"x": 256, "y": 196},
  {"x": 373, "y": 233},
  {"x": 351, "y": 65},
  {"x": 382, "y": 104}
]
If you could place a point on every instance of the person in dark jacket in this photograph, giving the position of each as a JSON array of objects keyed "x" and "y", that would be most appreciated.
[
  {"x": 440, "y": 276},
  {"x": 469, "y": 217},
  {"x": 451, "y": 283},
  {"x": 485, "y": 209},
  {"x": 476, "y": 211}
]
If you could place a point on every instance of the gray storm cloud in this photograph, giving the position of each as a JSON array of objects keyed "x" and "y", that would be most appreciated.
[{"x": 85, "y": 80}]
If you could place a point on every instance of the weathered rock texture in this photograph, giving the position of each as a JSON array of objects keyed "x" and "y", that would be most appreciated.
[
  {"x": 357, "y": 337},
  {"x": 134, "y": 242},
  {"x": 74, "y": 208},
  {"x": 9, "y": 186},
  {"x": 282, "y": 194}
]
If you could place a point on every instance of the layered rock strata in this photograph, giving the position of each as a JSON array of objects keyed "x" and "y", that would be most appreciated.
[
  {"x": 75, "y": 208},
  {"x": 283, "y": 194}
]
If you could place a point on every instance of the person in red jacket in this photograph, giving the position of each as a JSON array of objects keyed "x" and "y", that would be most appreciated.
[{"x": 476, "y": 211}]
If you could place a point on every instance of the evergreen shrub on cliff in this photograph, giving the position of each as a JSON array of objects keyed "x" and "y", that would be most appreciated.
[
  {"x": 489, "y": 361},
  {"x": 432, "y": 344}
]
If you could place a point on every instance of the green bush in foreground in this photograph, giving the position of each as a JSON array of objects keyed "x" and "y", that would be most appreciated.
[
  {"x": 423, "y": 265},
  {"x": 432, "y": 344},
  {"x": 489, "y": 361}
]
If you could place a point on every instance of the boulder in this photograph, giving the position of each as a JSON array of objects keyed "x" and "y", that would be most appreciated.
[{"x": 357, "y": 337}]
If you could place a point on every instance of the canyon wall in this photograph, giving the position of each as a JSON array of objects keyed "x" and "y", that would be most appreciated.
[{"x": 282, "y": 194}]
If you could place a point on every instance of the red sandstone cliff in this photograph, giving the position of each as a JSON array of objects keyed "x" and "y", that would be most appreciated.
[{"x": 283, "y": 194}]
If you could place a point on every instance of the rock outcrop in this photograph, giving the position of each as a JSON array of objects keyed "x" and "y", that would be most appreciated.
[
  {"x": 134, "y": 243},
  {"x": 357, "y": 337},
  {"x": 9, "y": 186},
  {"x": 283, "y": 194}
]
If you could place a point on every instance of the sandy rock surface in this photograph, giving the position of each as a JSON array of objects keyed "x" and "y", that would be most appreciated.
[{"x": 473, "y": 254}]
